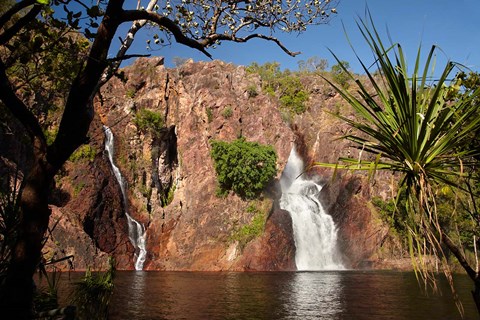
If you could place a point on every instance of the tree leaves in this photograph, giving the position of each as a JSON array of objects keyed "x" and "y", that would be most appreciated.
[{"x": 243, "y": 167}]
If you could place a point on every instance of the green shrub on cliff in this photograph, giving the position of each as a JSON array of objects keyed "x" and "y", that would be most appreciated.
[
  {"x": 246, "y": 233},
  {"x": 148, "y": 121},
  {"x": 86, "y": 151},
  {"x": 285, "y": 85},
  {"x": 243, "y": 167}
]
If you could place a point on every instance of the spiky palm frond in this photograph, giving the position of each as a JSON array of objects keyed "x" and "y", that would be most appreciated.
[{"x": 415, "y": 128}]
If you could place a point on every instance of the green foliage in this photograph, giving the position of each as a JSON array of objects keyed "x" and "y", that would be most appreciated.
[
  {"x": 393, "y": 214},
  {"x": 291, "y": 96},
  {"x": 46, "y": 297},
  {"x": 252, "y": 91},
  {"x": 455, "y": 219},
  {"x": 243, "y": 167},
  {"x": 92, "y": 294},
  {"x": 168, "y": 198},
  {"x": 268, "y": 72},
  {"x": 340, "y": 73},
  {"x": 50, "y": 135},
  {"x": 283, "y": 84},
  {"x": 252, "y": 230},
  {"x": 148, "y": 121},
  {"x": 78, "y": 187},
  {"x": 146, "y": 191},
  {"x": 416, "y": 129},
  {"x": 130, "y": 93},
  {"x": 227, "y": 112},
  {"x": 85, "y": 152},
  {"x": 45, "y": 60},
  {"x": 209, "y": 114}
]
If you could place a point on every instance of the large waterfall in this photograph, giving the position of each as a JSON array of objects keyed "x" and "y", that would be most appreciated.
[
  {"x": 136, "y": 230},
  {"x": 314, "y": 231}
]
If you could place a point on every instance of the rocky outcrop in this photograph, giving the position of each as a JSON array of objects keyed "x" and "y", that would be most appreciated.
[
  {"x": 88, "y": 197},
  {"x": 200, "y": 102},
  {"x": 171, "y": 182},
  {"x": 275, "y": 249}
]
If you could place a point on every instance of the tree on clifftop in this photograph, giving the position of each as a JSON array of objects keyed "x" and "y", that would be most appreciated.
[{"x": 37, "y": 33}]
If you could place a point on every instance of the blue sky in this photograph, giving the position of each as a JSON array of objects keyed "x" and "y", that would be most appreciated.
[{"x": 452, "y": 25}]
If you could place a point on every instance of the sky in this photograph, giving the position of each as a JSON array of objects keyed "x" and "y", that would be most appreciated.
[{"x": 451, "y": 25}]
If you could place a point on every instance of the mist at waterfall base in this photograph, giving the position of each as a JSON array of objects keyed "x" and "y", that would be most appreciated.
[
  {"x": 136, "y": 231},
  {"x": 314, "y": 230}
]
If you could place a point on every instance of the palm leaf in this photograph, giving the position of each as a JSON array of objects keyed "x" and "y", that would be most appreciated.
[{"x": 412, "y": 127}]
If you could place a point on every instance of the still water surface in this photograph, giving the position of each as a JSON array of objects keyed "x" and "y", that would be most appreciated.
[{"x": 289, "y": 295}]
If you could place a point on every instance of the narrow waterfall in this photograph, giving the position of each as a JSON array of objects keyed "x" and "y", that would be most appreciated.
[
  {"x": 314, "y": 231},
  {"x": 136, "y": 230}
]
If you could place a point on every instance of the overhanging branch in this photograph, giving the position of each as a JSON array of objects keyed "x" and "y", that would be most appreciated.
[
  {"x": 132, "y": 15},
  {"x": 269, "y": 38},
  {"x": 128, "y": 56},
  {"x": 211, "y": 39}
]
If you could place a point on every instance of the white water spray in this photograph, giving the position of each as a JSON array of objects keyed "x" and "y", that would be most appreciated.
[
  {"x": 136, "y": 230},
  {"x": 314, "y": 231}
]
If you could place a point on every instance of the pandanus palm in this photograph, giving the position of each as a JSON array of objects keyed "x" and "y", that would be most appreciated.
[{"x": 420, "y": 130}]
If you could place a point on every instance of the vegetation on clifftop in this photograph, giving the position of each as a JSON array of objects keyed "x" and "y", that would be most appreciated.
[{"x": 285, "y": 85}]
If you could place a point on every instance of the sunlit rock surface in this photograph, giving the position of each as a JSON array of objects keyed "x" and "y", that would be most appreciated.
[{"x": 195, "y": 231}]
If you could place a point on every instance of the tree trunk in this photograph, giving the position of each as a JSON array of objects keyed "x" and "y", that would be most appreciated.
[
  {"x": 476, "y": 294},
  {"x": 16, "y": 296}
]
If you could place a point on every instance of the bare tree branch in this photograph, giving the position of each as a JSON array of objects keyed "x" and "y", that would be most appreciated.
[
  {"x": 131, "y": 15},
  {"x": 126, "y": 43},
  {"x": 128, "y": 56},
  {"x": 216, "y": 37}
]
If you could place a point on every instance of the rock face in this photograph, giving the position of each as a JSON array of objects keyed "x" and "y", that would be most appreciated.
[
  {"x": 200, "y": 102},
  {"x": 88, "y": 204},
  {"x": 171, "y": 182}
]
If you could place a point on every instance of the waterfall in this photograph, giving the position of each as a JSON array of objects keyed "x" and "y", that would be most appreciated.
[
  {"x": 314, "y": 231},
  {"x": 136, "y": 230}
]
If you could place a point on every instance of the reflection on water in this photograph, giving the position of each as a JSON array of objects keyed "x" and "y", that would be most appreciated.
[
  {"x": 301, "y": 295},
  {"x": 314, "y": 297}
]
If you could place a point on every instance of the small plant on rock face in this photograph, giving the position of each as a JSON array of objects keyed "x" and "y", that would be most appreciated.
[
  {"x": 252, "y": 230},
  {"x": 86, "y": 152},
  {"x": 243, "y": 167},
  {"x": 209, "y": 115},
  {"x": 252, "y": 91},
  {"x": 148, "y": 121},
  {"x": 227, "y": 112},
  {"x": 130, "y": 93}
]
